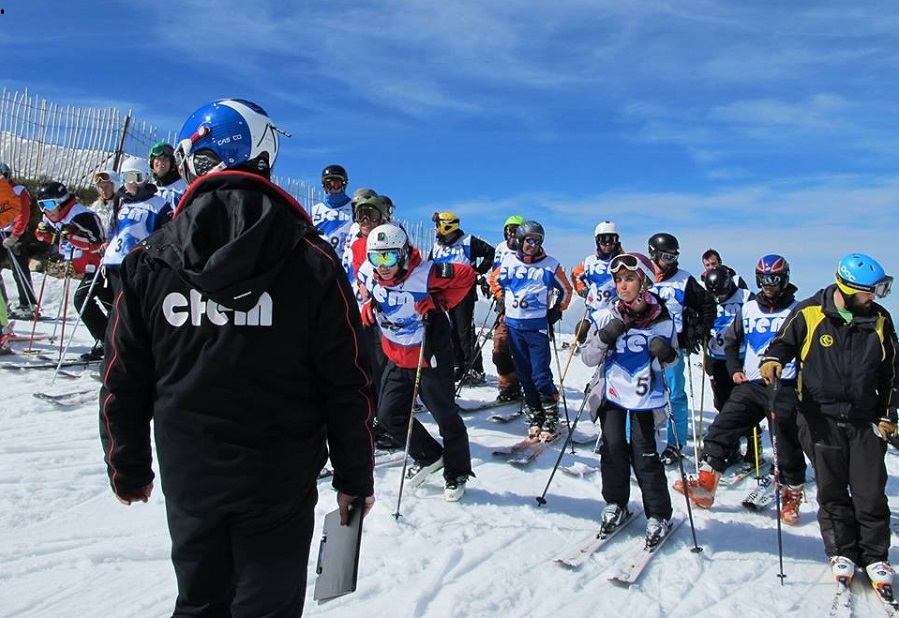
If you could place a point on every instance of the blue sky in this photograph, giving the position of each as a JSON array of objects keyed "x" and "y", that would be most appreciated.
[{"x": 751, "y": 127}]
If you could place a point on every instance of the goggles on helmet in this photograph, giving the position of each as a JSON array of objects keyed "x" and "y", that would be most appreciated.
[
  {"x": 134, "y": 176},
  {"x": 769, "y": 280},
  {"x": 368, "y": 214},
  {"x": 881, "y": 289},
  {"x": 664, "y": 256},
  {"x": 607, "y": 239},
  {"x": 50, "y": 203},
  {"x": 388, "y": 258},
  {"x": 161, "y": 148},
  {"x": 625, "y": 261}
]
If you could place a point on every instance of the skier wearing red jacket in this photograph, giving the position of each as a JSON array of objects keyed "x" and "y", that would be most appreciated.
[{"x": 409, "y": 301}]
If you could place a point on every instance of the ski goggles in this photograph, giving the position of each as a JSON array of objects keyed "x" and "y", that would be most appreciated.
[
  {"x": 769, "y": 280},
  {"x": 134, "y": 176},
  {"x": 533, "y": 240},
  {"x": 161, "y": 148},
  {"x": 625, "y": 261},
  {"x": 102, "y": 177},
  {"x": 607, "y": 239},
  {"x": 881, "y": 289},
  {"x": 50, "y": 203},
  {"x": 368, "y": 214},
  {"x": 388, "y": 259},
  {"x": 664, "y": 256}
]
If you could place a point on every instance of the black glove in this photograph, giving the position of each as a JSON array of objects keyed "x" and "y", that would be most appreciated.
[
  {"x": 485, "y": 286},
  {"x": 554, "y": 314},
  {"x": 583, "y": 292},
  {"x": 662, "y": 350},
  {"x": 583, "y": 327},
  {"x": 611, "y": 331}
]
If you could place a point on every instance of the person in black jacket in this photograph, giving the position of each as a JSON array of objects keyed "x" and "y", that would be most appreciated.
[
  {"x": 453, "y": 245},
  {"x": 236, "y": 332},
  {"x": 845, "y": 346}
]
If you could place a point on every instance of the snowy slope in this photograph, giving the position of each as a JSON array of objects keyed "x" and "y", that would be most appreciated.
[{"x": 68, "y": 548}]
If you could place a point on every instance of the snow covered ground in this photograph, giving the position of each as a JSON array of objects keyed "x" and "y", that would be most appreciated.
[{"x": 68, "y": 548}]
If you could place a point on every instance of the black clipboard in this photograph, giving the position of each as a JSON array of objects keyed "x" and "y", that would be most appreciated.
[{"x": 338, "y": 554}]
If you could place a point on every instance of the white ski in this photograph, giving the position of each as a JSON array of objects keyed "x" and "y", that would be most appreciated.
[
  {"x": 761, "y": 496},
  {"x": 581, "y": 552},
  {"x": 841, "y": 605},
  {"x": 637, "y": 561}
]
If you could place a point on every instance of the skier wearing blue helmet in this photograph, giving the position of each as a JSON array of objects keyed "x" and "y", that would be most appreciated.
[
  {"x": 845, "y": 346},
  {"x": 237, "y": 333}
]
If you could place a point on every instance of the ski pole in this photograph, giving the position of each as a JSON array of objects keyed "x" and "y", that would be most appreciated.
[
  {"x": 692, "y": 410},
  {"x": 680, "y": 460},
  {"x": 577, "y": 334},
  {"x": 478, "y": 346},
  {"x": 701, "y": 430},
  {"x": 19, "y": 274},
  {"x": 552, "y": 337},
  {"x": 758, "y": 463},
  {"x": 87, "y": 299},
  {"x": 65, "y": 306},
  {"x": 37, "y": 311},
  {"x": 421, "y": 359},
  {"x": 541, "y": 499},
  {"x": 772, "y": 420}
]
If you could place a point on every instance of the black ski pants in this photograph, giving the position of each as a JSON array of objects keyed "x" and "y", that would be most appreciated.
[
  {"x": 853, "y": 512},
  {"x": 376, "y": 355},
  {"x": 721, "y": 380},
  {"x": 21, "y": 274},
  {"x": 437, "y": 391},
  {"x": 463, "y": 334},
  {"x": 93, "y": 300},
  {"x": 240, "y": 564},
  {"x": 747, "y": 406},
  {"x": 618, "y": 454}
]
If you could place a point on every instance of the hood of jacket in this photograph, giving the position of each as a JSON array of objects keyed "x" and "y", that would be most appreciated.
[{"x": 231, "y": 235}]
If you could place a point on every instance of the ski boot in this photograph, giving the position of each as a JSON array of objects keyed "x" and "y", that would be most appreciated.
[
  {"x": 791, "y": 497},
  {"x": 612, "y": 517},
  {"x": 509, "y": 394},
  {"x": 881, "y": 576},
  {"x": 419, "y": 471},
  {"x": 550, "y": 427},
  {"x": 454, "y": 489},
  {"x": 656, "y": 530},
  {"x": 842, "y": 568},
  {"x": 535, "y": 421},
  {"x": 701, "y": 491}
]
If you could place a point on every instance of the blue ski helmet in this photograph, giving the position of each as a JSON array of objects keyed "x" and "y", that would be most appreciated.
[
  {"x": 226, "y": 134},
  {"x": 858, "y": 272}
]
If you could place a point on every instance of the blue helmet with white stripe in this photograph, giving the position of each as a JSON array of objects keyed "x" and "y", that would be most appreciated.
[{"x": 227, "y": 134}]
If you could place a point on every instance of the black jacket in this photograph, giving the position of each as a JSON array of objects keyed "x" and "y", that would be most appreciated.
[
  {"x": 847, "y": 370},
  {"x": 236, "y": 331}
]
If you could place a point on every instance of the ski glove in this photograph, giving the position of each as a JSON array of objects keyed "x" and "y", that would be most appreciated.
[
  {"x": 583, "y": 292},
  {"x": 485, "y": 287},
  {"x": 368, "y": 314},
  {"x": 583, "y": 327},
  {"x": 611, "y": 331},
  {"x": 10, "y": 242},
  {"x": 45, "y": 233},
  {"x": 771, "y": 370},
  {"x": 662, "y": 350},
  {"x": 554, "y": 314}
]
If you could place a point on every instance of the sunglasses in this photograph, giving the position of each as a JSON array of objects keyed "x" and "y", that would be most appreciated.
[
  {"x": 608, "y": 239},
  {"x": 49, "y": 204},
  {"x": 134, "y": 176},
  {"x": 388, "y": 259},
  {"x": 769, "y": 280},
  {"x": 531, "y": 240},
  {"x": 367, "y": 214}
]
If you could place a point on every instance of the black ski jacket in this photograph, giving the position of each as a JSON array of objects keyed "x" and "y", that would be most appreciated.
[
  {"x": 236, "y": 331},
  {"x": 847, "y": 370}
]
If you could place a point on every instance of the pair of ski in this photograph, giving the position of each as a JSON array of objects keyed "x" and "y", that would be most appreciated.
[
  {"x": 841, "y": 605},
  {"x": 66, "y": 400},
  {"x": 52, "y": 364},
  {"x": 524, "y": 452},
  {"x": 634, "y": 562}
]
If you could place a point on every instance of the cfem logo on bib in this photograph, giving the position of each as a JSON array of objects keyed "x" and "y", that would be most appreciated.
[{"x": 178, "y": 309}]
